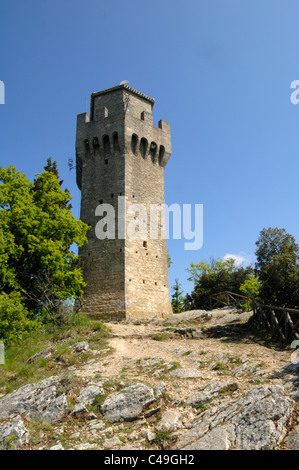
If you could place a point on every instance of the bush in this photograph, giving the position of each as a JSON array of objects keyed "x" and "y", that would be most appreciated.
[{"x": 15, "y": 323}]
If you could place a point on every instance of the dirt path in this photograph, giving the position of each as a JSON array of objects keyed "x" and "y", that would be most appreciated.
[{"x": 223, "y": 351}]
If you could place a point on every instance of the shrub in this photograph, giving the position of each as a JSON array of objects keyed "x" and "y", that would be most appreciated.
[{"x": 15, "y": 323}]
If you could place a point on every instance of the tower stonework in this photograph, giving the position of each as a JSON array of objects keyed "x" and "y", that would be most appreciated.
[{"x": 120, "y": 159}]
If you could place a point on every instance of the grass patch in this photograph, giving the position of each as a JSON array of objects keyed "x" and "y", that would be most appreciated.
[
  {"x": 219, "y": 366},
  {"x": 160, "y": 336},
  {"x": 162, "y": 438},
  {"x": 17, "y": 371},
  {"x": 202, "y": 407}
]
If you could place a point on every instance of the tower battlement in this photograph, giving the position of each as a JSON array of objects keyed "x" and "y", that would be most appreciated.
[{"x": 120, "y": 152}]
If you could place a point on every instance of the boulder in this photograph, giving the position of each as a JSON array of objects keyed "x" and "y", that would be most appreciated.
[
  {"x": 41, "y": 399},
  {"x": 170, "y": 421},
  {"x": 88, "y": 394},
  {"x": 80, "y": 347},
  {"x": 13, "y": 434},
  {"x": 46, "y": 353},
  {"x": 292, "y": 441},
  {"x": 186, "y": 373},
  {"x": 128, "y": 404},
  {"x": 255, "y": 421}
]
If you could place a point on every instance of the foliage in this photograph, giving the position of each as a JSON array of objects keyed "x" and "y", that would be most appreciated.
[
  {"x": 215, "y": 277},
  {"x": 277, "y": 268},
  {"x": 14, "y": 319},
  {"x": 37, "y": 230},
  {"x": 250, "y": 288},
  {"x": 169, "y": 261},
  {"x": 177, "y": 301},
  {"x": 17, "y": 371}
]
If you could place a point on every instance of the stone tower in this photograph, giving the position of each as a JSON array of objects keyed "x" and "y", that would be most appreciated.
[{"x": 121, "y": 156}]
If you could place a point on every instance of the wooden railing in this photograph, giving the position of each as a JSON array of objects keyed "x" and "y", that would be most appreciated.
[
  {"x": 281, "y": 321},
  {"x": 229, "y": 299}
]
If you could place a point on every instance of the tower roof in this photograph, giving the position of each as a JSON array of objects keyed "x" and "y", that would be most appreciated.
[{"x": 118, "y": 87}]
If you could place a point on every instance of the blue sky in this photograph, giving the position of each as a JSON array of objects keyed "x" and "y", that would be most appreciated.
[{"x": 220, "y": 72}]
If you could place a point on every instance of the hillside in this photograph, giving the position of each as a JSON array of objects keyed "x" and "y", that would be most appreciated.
[{"x": 199, "y": 380}]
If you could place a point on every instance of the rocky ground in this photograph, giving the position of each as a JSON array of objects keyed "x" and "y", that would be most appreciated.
[{"x": 198, "y": 380}]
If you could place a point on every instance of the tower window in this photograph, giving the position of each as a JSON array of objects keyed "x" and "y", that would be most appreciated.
[
  {"x": 161, "y": 153},
  {"x": 115, "y": 142},
  {"x": 134, "y": 143},
  {"x": 145, "y": 244},
  {"x": 153, "y": 151},
  {"x": 95, "y": 142},
  {"x": 106, "y": 145},
  {"x": 106, "y": 112},
  {"x": 143, "y": 147}
]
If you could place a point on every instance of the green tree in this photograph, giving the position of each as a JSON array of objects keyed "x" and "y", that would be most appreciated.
[
  {"x": 177, "y": 301},
  {"x": 277, "y": 267},
  {"x": 15, "y": 322},
  {"x": 250, "y": 288},
  {"x": 215, "y": 277},
  {"x": 37, "y": 231}
]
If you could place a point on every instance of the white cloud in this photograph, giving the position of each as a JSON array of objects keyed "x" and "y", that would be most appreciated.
[{"x": 239, "y": 259}]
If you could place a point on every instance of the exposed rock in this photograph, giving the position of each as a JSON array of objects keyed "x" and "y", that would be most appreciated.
[
  {"x": 216, "y": 387},
  {"x": 13, "y": 434},
  {"x": 79, "y": 410},
  {"x": 85, "y": 446},
  {"x": 97, "y": 425},
  {"x": 217, "y": 439},
  {"x": 256, "y": 421},
  {"x": 159, "y": 389},
  {"x": 170, "y": 421},
  {"x": 292, "y": 441},
  {"x": 36, "y": 400},
  {"x": 89, "y": 393},
  {"x": 151, "y": 411},
  {"x": 187, "y": 332},
  {"x": 199, "y": 398},
  {"x": 211, "y": 391},
  {"x": 57, "y": 447},
  {"x": 46, "y": 353},
  {"x": 80, "y": 347},
  {"x": 199, "y": 315},
  {"x": 148, "y": 435},
  {"x": 112, "y": 443},
  {"x": 186, "y": 373},
  {"x": 128, "y": 404}
]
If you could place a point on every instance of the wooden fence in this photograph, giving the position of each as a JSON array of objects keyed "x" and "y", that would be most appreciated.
[
  {"x": 281, "y": 321},
  {"x": 229, "y": 299}
]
